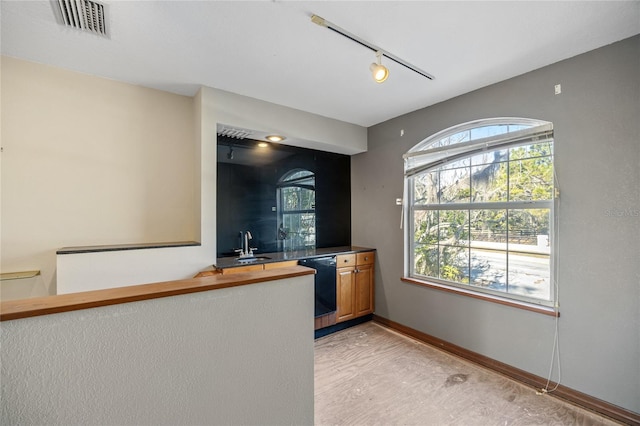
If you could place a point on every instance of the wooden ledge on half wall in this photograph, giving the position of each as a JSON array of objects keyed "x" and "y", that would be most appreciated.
[{"x": 25, "y": 308}]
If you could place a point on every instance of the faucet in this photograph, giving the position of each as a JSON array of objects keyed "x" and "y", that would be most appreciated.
[{"x": 246, "y": 251}]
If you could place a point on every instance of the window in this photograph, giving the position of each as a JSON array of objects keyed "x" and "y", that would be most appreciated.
[
  {"x": 480, "y": 209},
  {"x": 296, "y": 210}
]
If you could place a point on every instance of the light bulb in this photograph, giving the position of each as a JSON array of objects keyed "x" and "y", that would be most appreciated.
[
  {"x": 276, "y": 138},
  {"x": 380, "y": 72}
]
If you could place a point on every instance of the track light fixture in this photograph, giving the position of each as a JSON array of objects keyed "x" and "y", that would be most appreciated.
[
  {"x": 380, "y": 72},
  {"x": 379, "y": 52}
]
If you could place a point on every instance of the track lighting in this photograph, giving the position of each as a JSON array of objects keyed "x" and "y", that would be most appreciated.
[{"x": 380, "y": 72}]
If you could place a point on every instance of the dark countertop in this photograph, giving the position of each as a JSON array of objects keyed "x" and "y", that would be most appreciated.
[
  {"x": 232, "y": 261},
  {"x": 120, "y": 247}
]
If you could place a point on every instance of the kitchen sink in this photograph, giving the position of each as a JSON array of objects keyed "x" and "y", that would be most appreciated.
[{"x": 253, "y": 259}]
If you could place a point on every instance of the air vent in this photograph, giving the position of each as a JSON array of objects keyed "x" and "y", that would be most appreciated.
[
  {"x": 84, "y": 15},
  {"x": 235, "y": 133}
]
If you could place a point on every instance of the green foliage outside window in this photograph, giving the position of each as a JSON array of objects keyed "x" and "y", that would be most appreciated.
[
  {"x": 485, "y": 220},
  {"x": 297, "y": 203}
]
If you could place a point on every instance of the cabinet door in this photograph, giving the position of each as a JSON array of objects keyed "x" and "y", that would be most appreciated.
[
  {"x": 345, "y": 294},
  {"x": 364, "y": 290}
]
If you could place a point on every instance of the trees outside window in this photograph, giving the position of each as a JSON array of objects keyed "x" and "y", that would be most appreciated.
[
  {"x": 296, "y": 210},
  {"x": 480, "y": 209}
]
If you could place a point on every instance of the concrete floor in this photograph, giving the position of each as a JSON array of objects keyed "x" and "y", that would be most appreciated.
[{"x": 370, "y": 375}]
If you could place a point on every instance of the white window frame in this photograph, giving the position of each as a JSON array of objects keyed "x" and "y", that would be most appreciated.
[
  {"x": 428, "y": 155},
  {"x": 287, "y": 182}
]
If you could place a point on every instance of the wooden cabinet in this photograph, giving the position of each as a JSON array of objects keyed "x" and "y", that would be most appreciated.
[
  {"x": 345, "y": 293},
  {"x": 355, "y": 285},
  {"x": 364, "y": 283}
]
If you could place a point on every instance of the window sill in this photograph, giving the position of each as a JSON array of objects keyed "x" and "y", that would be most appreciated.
[{"x": 545, "y": 310}]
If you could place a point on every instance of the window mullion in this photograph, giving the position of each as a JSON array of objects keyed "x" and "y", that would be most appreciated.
[
  {"x": 297, "y": 211},
  {"x": 534, "y": 204},
  {"x": 506, "y": 268}
]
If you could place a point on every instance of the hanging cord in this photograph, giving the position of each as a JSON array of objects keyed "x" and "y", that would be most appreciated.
[{"x": 555, "y": 352}]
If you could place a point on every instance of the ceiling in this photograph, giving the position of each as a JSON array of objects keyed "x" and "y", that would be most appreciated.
[
  {"x": 270, "y": 50},
  {"x": 247, "y": 152}
]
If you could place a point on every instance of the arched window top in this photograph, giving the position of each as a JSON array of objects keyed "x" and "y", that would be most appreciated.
[
  {"x": 477, "y": 129},
  {"x": 298, "y": 177},
  {"x": 473, "y": 137}
]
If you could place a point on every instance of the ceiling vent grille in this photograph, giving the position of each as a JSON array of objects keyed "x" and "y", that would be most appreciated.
[
  {"x": 235, "y": 133},
  {"x": 85, "y": 15}
]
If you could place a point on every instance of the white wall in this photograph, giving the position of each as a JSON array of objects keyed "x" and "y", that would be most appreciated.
[
  {"x": 90, "y": 161},
  {"x": 86, "y": 161},
  {"x": 301, "y": 128},
  {"x": 109, "y": 269},
  {"x": 95, "y": 271},
  {"x": 80, "y": 272},
  {"x": 234, "y": 356}
]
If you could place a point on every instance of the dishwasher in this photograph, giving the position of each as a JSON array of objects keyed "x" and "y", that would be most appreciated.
[{"x": 325, "y": 283}]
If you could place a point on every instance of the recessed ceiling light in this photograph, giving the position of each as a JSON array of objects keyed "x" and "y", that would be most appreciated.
[{"x": 276, "y": 138}]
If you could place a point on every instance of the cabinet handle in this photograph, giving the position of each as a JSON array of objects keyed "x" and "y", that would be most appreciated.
[{"x": 366, "y": 258}]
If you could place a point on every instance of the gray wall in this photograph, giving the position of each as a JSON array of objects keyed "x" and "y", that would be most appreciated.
[
  {"x": 597, "y": 146},
  {"x": 233, "y": 356}
]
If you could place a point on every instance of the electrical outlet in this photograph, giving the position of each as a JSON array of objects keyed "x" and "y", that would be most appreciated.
[{"x": 558, "y": 89}]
